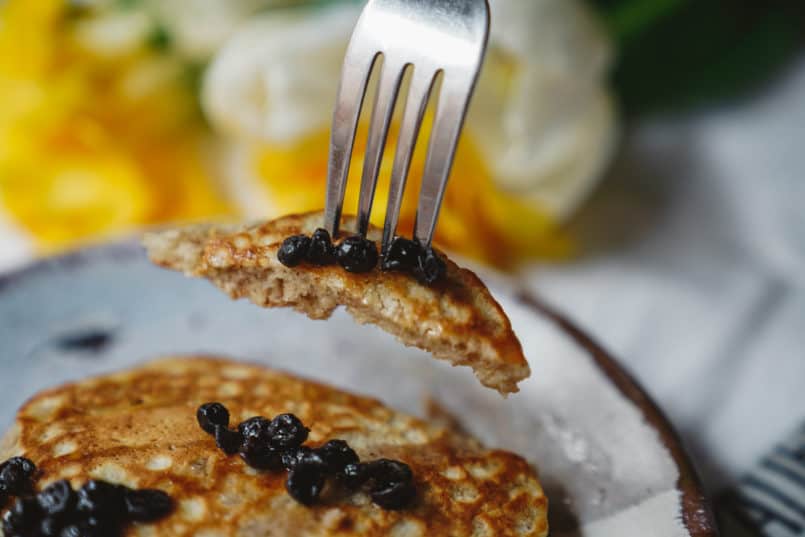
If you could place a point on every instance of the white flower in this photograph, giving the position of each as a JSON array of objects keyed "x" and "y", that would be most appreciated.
[
  {"x": 542, "y": 114},
  {"x": 198, "y": 28}
]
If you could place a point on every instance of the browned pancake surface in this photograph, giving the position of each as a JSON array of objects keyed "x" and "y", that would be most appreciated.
[
  {"x": 456, "y": 319},
  {"x": 138, "y": 428}
]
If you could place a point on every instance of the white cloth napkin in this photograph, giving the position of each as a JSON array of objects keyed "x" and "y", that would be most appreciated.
[{"x": 696, "y": 274}]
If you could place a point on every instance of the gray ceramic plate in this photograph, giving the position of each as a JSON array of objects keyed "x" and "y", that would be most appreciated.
[{"x": 608, "y": 458}]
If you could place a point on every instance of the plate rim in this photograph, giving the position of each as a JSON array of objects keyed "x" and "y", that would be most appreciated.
[{"x": 697, "y": 514}]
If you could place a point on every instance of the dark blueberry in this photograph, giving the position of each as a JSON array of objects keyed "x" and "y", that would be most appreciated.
[
  {"x": 147, "y": 505},
  {"x": 58, "y": 499},
  {"x": 392, "y": 483},
  {"x": 74, "y": 530},
  {"x": 385, "y": 471},
  {"x": 262, "y": 457},
  {"x": 290, "y": 457},
  {"x": 305, "y": 456},
  {"x": 255, "y": 448},
  {"x": 287, "y": 432},
  {"x": 211, "y": 414},
  {"x": 321, "y": 250},
  {"x": 256, "y": 430},
  {"x": 102, "y": 500},
  {"x": 227, "y": 440},
  {"x": 429, "y": 268},
  {"x": 353, "y": 476},
  {"x": 293, "y": 250},
  {"x": 16, "y": 476},
  {"x": 306, "y": 480},
  {"x": 336, "y": 455},
  {"x": 23, "y": 517},
  {"x": 357, "y": 254},
  {"x": 394, "y": 495},
  {"x": 105, "y": 527},
  {"x": 50, "y": 527},
  {"x": 92, "y": 527},
  {"x": 402, "y": 255}
]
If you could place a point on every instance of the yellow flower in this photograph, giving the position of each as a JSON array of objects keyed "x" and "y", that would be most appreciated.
[
  {"x": 92, "y": 143},
  {"x": 477, "y": 218}
]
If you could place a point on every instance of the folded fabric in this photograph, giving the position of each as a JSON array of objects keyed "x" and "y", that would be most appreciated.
[{"x": 770, "y": 500}]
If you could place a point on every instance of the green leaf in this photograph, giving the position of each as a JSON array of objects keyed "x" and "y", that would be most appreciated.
[
  {"x": 159, "y": 38},
  {"x": 675, "y": 54},
  {"x": 629, "y": 18}
]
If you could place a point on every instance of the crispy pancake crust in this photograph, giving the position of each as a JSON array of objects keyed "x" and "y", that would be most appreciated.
[
  {"x": 138, "y": 428},
  {"x": 457, "y": 319}
]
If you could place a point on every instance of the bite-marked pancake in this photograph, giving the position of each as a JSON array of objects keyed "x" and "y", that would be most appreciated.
[
  {"x": 139, "y": 428},
  {"x": 456, "y": 319}
]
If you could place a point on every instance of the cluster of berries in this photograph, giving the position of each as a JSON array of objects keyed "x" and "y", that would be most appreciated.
[
  {"x": 276, "y": 445},
  {"x": 358, "y": 254},
  {"x": 97, "y": 509}
]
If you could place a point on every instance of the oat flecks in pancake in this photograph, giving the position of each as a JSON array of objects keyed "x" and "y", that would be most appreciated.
[
  {"x": 139, "y": 428},
  {"x": 457, "y": 320}
]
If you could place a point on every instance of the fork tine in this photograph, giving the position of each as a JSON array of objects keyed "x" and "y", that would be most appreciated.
[
  {"x": 351, "y": 92},
  {"x": 452, "y": 108},
  {"x": 415, "y": 105},
  {"x": 387, "y": 90}
]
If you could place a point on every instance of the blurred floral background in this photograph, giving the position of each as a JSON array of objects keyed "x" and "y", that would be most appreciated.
[{"x": 119, "y": 114}]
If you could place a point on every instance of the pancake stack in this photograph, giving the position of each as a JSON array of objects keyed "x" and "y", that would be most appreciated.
[{"x": 139, "y": 428}]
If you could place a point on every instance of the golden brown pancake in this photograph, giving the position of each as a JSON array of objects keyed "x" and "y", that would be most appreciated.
[
  {"x": 138, "y": 428},
  {"x": 456, "y": 319}
]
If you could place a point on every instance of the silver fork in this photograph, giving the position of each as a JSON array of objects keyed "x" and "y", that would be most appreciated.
[{"x": 432, "y": 37}]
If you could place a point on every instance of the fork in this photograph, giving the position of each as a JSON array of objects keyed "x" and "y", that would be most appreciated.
[{"x": 430, "y": 38}]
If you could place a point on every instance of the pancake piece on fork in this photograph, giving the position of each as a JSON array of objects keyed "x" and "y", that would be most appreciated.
[{"x": 455, "y": 319}]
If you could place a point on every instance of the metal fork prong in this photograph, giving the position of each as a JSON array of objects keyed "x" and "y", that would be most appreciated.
[
  {"x": 351, "y": 92},
  {"x": 450, "y": 114},
  {"x": 435, "y": 35},
  {"x": 415, "y": 105},
  {"x": 388, "y": 88}
]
